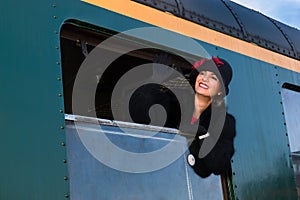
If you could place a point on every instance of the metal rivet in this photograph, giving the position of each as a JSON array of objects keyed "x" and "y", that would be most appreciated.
[
  {"x": 64, "y": 161},
  {"x": 59, "y": 94},
  {"x": 61, "y": 110},
  {"x": 65, "y": 178},
  {"x": 66, "y": 195},
  {"x": 55, "y": 32},
  {"x": 56, "y": 47},
  {"x": 63, "y": 144},
  {"x": 58, "y": 78},
  {"x": 54, "y": 5},
  {"x": 62, "y": 127},
  {"x": 57, "y": 63}
]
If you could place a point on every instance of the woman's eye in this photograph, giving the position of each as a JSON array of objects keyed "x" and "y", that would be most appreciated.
[{"x": 214, "y": 78}]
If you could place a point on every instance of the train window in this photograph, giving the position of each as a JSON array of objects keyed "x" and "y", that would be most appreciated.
[
  {"x": 78, "y": 42},
  {"x": 291, "y": 99}
]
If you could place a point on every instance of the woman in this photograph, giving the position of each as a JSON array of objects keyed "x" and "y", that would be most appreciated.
[{"x": 212, "y": 148}]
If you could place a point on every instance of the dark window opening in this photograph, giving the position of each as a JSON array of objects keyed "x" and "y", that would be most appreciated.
[{"x": 77, "y": 40}]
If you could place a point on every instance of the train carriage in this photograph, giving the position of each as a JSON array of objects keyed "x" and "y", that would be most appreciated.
[{"x": 52, "y": 147}]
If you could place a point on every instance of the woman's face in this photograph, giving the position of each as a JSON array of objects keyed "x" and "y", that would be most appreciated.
[{"x": 207, "y": 84}]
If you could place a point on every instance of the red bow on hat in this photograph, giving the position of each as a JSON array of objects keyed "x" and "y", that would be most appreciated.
[
  {"x": 199, "y": 63},
  {"x": 216, "y": 60}
]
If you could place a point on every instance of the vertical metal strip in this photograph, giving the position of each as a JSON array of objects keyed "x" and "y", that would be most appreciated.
[{"x": 188, "y": 181}]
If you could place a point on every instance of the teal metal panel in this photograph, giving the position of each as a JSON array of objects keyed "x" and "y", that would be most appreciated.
[
  {"x": 31, "y": 103},
  {"x": 261, "y": 165},
  {"x": 288, "y": 76}
]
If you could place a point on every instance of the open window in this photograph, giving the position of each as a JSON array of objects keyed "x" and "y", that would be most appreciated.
[
  {"x": 77, "y": 42},
  {"x": 100, "y": 116},
  {"x": 291, "y": 98}
]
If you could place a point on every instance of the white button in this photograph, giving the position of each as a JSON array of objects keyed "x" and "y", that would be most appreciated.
[
  {"x": 191, "y": 160},
  {"x": 204, "y": 136}
]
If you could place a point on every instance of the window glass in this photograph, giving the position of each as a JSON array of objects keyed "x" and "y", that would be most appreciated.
[{"x": 291, "y": 105}]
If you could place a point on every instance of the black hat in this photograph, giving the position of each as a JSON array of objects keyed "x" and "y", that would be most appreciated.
[{"x": 219, "y": 66}]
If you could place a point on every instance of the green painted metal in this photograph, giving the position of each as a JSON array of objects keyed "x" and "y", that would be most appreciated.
[
  {"x": 31, "y": 106},
  {"x": 262, "y": 163},
  {"x": 31, "y": 120}
]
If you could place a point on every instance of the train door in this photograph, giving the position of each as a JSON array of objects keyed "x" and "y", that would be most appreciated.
[
  {"x": 109, "y": 155},
  {"x": 291, "y": 104}
]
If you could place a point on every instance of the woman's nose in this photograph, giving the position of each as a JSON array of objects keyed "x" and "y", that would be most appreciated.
[{"x": 204, "y": 77}]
